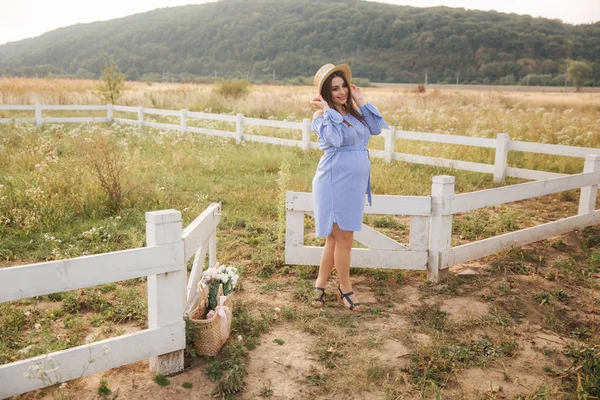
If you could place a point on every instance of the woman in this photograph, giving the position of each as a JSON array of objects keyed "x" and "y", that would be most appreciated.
[{"x": 343, "y": 174}]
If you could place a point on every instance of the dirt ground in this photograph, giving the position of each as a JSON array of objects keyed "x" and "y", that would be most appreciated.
[{"x": 287, "y": 362}]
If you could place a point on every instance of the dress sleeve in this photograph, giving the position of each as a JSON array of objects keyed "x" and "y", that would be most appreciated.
[
  {"x": 328, "y": 127},
  {"x": 373, "y": 118}
]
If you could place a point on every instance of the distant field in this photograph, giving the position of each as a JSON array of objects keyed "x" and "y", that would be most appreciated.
[{"x": 500, "y": 88}]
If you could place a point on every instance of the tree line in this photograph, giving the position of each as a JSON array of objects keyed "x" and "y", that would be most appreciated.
[{"x": 291, "y": 39}]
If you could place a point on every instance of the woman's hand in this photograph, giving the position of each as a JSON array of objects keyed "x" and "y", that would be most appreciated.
[
  {"x": 320, "y": 103},
  {"x": 357, "y": 96}
]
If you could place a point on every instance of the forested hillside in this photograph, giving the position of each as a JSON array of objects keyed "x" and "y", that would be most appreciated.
[{"x": 251, "y": 39}]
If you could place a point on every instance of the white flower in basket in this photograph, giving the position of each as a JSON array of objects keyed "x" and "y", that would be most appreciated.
[{"x": 214, "y": 278}]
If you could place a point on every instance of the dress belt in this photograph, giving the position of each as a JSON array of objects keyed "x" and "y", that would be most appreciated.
[{"x": 354, "y": 148}]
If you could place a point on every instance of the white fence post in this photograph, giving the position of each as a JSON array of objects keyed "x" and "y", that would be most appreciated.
[
  {"x": 38, "y": 115},
  {"x": 294, "y": 227},
  {"x": 588, "y": 194},
  {"x": 500, "y": 163},
  {"x": 440, "y": 227},
  {"x": 183, "y": 121},
  {"x": 109, "y": 113},
  {"x": 389, "y": 140},
  {"x": 239, "y": 129},
  {"x": 305, "y": 134},
  {"x": 212, "y": 249},
  {"x": 166, "y": 292},
  {"x": 140, "y": 116}
]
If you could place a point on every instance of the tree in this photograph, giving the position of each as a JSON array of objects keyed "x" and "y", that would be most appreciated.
[
  {"x": 578, "y": 71},
  {"x": 112, "y": 83}
]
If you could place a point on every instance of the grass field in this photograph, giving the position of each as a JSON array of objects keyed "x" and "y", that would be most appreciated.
[{"x": 53, "y": 205}]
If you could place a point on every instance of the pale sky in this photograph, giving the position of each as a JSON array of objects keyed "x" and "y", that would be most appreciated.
[{"x": 20, "y": 19}]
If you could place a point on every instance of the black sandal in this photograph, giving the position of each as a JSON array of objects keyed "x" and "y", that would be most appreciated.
[
  {"x": 342, "y": 296},
  {"x": 319, "y": 302}
]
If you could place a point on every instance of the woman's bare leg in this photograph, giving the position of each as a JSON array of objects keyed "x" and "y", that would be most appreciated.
[
  {"x": 343, "y": 247},
  {"x": 326, "y": 265}
]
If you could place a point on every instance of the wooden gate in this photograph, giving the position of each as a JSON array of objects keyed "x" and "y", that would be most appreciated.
[{"x": 381, "y": 251}]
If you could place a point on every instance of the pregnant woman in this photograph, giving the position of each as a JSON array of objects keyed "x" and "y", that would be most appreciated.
[{"x": 343, "y": 175}]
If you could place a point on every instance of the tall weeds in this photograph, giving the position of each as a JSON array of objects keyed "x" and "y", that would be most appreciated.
[{"x": 103, "y": 156}]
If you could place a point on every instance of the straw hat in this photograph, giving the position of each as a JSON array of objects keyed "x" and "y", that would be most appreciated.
[{"x": 329, "y": 69}]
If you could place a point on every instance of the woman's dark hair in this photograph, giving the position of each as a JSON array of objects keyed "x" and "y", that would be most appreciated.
[{"x": 349, "y": 107}]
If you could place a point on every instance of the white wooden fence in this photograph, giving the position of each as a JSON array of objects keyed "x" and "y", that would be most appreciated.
[
  {"x": 183, "y": 115},
  {"x": 382, "y": 251},
  {"x": 431, "y": 223},
  {"x": 501, "y": 143},
  {"x": 588, "y": 182},
  {"x": 163, "y": 261}
]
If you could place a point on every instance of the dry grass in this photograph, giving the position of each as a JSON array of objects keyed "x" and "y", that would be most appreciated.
[
  {"x": 42, "y": 217},
  {"x": 546, "y": 117}
]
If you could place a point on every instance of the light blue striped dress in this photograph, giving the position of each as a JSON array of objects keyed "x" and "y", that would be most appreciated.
[{"x": 343, "y": 174}]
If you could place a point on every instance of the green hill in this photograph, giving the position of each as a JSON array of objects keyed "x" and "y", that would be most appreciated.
[{"x": 250, "y": 39}]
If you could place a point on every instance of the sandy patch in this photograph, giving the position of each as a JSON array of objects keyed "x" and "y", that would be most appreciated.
[
  {"x": 463, "y": 308},
  {"x": 281, "y": 370}
]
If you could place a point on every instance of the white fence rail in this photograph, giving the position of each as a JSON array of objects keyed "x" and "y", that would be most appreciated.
[
  {"x": 501, "y": 143},
  {"x": 382, "y": 252},
  {"x": 163, "y": 261},
  {"x": 200, "y": 239},
  {"x": 431, "y": 223},
  {"x": 588, "y": 182}
]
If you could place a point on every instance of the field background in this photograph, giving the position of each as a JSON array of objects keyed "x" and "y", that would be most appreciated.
[{"x": 526, "y": 327}]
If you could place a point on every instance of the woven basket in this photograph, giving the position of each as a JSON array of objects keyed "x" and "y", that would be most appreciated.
[{"x": 209, "y": 340}]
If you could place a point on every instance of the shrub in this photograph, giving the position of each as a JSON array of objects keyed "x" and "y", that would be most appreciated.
[
  {"x": 161, "y": 380},
  {"x": 104, "y": 156},
  {"x": 103, "y": 388},
  {"x": 299, "y": 81},
  {"x": 235, "y": 88},
  {"x": 232, "y": 380},
  {"x": 112, "y": 83},
  {"x": 362, "y": 82}
]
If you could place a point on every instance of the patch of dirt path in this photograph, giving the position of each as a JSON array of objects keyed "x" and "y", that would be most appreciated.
[
  {"x": 281, "y": 370},
  {"x": 463, "y": 308}
]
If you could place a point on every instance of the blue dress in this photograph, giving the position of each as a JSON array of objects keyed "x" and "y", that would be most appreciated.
[{"x": 343, "y": 173}]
